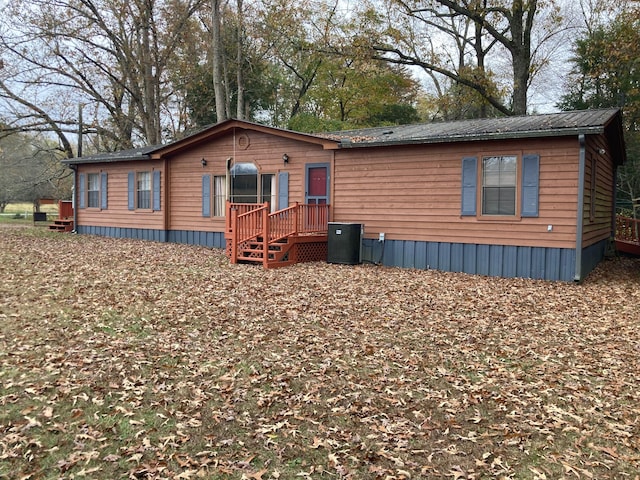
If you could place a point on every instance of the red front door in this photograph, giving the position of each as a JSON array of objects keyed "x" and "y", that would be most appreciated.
[{"x": 317, "y": 184}]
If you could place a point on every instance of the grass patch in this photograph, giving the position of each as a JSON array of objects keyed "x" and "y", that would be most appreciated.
[{"x": 22, "y": 214}]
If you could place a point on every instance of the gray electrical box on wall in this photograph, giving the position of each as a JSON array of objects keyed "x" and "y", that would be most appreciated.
[{"x": 344, "y": 243}]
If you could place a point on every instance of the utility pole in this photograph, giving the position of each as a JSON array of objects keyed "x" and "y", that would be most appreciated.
[{"x": 80, "y": 128}]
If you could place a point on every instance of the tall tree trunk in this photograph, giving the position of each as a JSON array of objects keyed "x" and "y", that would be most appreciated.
[
  {"x": 239, "y": 60},
  {"x": 218, "y": 81},
  {"x": 480, "y": 57},
  {"x": 149, "y": 110},
  {"x": 521, "y": 23}
]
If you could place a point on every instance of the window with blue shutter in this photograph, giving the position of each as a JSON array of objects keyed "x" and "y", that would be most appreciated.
[
  {"x": 530, "y": 185},
  {"x": 103, "y": 191},
  {"x": 82, "y": 190},
  {"x": 469, "y": 185},
  {"x": 156, "y": 190},
  {"x": 206, "y": 195},
  {"x": 131, "y": 190},
  {"x": 283, "y": 190}
]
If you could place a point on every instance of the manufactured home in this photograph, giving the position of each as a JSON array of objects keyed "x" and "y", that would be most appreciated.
[{"x": 529, "y": 196}]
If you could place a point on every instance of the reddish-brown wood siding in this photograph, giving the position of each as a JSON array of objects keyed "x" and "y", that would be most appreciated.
[
  {"x": 117, "y": 213},
  {"x": 408, "y": 192},
  {"x": 599, "y": 226},
  {"x": 414, "y": 193},
  {"x": 261, "y": 149}
]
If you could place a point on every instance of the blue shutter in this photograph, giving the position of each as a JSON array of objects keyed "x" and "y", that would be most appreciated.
[
  {"x": 82, "y": 190},
  {"x": 206, "y": 195},
  {"x": 283, "y": 190},
  {"x": 131, "y": 190},
  {"x": 469, "y": 185},
  {"x": 530, "y": 185},
  {"x": 156, "y": 190},
  {"x": 103, "y": 191}
]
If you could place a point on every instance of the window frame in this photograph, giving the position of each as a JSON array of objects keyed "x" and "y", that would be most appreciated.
[
  {"x": 517, "y": 193},
  {"x": 271, "y": 196},
  {"x": 219, "y": 195},
  {"x": 527, "y": 193},
  {"x": 96, "y": 191},
  {"x": 258, "y": 195},
  {"x": 139, "y": 191}
]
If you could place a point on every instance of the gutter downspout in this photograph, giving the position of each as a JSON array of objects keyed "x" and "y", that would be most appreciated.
[
  {"x": 580, "y": 218},
  {"x": 74, "y": 198}
]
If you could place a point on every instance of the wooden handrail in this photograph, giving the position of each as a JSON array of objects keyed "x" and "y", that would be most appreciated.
[
  {"x": 251, "y": 224},
  {"x": 241, "y": 208},
  {"x": 313, "y": 218},
  {"x": 627, "y": 229}
]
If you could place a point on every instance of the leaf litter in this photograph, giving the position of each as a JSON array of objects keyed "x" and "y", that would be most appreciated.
[{"x": 133, "y": 359}]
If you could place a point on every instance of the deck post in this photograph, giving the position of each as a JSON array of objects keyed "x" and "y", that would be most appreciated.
[
  {"x": 266, "y": 233},
  {"x": 234, "y": 235},
  {"x": 295, "y": 219},
  {"x": 227, "y": 217}
]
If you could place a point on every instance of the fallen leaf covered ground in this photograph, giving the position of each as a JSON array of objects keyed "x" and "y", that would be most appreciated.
[{"x": 142, "y": 360}]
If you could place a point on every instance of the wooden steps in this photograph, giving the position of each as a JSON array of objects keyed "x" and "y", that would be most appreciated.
[
  {"x": 292, "y": 235},
  {"x": 276, "y": 256},
  {"x": 288, "y": 251},
  {"x": 61, "y": 225}
]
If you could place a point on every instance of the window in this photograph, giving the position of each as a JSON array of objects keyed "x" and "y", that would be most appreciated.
[
  {"x": 509, "y": 186},
  {"x": 143, "y": 190},
  {"x": 499, "y": 183},
  {"x": 244, "y": 183},
  {"x": 248, "y": 186},
  {"x": 219, "y": 195},
  {"x": 268, "y": 190},
  {"x": 93, "y": 190}
]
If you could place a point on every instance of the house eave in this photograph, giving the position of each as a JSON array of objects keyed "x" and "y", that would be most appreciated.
[
  {"x": 132, "y": 155},
  {"x": 346, "y": 143},
  {"x": 233, "y": 125}
]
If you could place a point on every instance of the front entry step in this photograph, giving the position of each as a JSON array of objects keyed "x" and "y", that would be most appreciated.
[
  {"x": 276, "y": 256},
  {"x": 292, "y": 250},
  {"x": 61, "y": 225}
]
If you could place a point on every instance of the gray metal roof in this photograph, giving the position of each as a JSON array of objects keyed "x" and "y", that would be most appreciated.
[
  {"x": 141, "y": 153},
  {"x": 547, "y": 125},
  {"x": 553, "y": 124}
]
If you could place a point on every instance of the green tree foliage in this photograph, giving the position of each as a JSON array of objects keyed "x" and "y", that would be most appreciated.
[
  {"x": 607, "y": 74},
  {"x": 246, "y": 77},
  {"x": 323, "y": 77},
  {"x": 459, "y": 101},
  {"x": 361, "y": 93}
]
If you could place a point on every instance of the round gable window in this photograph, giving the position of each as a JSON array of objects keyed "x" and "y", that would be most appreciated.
[{"x": 243, "y": 141}]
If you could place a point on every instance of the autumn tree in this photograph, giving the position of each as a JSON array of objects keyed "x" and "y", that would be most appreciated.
[
  {"x": 360, "y": 93},
  {"x": 472, "y": 44},
  {"x": 30, "y": 169},
  {"x": 319, "y": 81},
  {"x": 606, "y": 74},
  {"x": 112, "y": 55}
]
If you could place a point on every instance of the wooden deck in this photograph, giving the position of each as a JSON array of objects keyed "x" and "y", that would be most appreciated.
[
  {"x": 627, "y": 237},
  {"x": 293, "y": 235}
]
